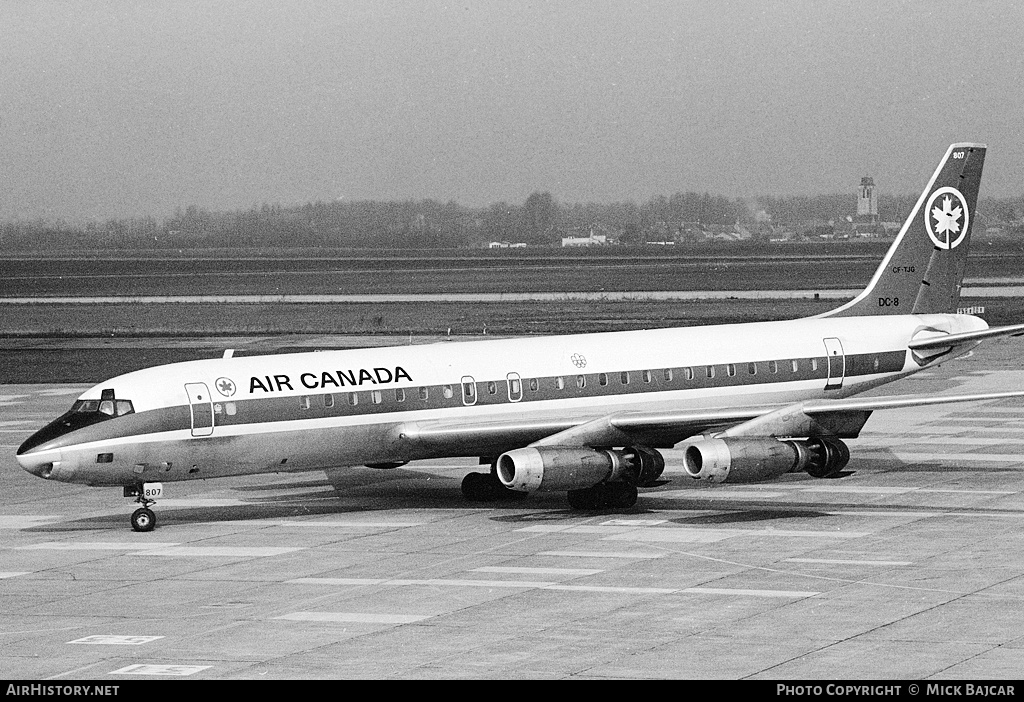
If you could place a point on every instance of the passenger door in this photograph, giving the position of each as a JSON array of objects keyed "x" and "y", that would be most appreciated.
[
  {"x": 836, "y": 363},
  {"x": 201, "y": 405}
]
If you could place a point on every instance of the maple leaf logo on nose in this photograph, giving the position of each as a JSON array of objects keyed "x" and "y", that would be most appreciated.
[{"x": 946, "y": 219}]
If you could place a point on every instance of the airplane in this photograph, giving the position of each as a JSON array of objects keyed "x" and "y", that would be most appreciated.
[{"x": 594, "y": 415}]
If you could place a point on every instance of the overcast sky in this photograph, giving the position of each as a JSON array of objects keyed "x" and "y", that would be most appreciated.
[{"x": 111, "y": 109}]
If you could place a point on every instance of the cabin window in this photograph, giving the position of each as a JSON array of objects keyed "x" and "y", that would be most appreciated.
[
  {"x": 492, "y": 387},
  {"x": 731, "y": 369},
  {"x": 515, "y": 387},
  {"x": 875, "y": 363},
  {"x": 534, "y": 385},
  {"x": 328, "y": 400},
  {"x": 752, "y": 368},
  {"x": 447, "y": 392},
  {"x": 668, "y": 375},
  {"x": 559, "y": 383},
  {"x": 773, "y": 366},
  {"x": 468, "y": 390},
  {"x": 814, "y": 364},
  {"x": 581, "y": 381},
  {"x": 602, "y": 378},
  {"x": 353, "y": 398},
  {"x": 647, "y": 376},
  {"x": 710, "y": 370},
  {"x": 304, "y": 402},
  {"x": 688, "y": 373},
  {"x": 376, "y": 397},
  {"x": 796, "y": 365},
  {"x": 624, "y": 378},
  {"x": 231, "y": 408},
  {"x": 400, "y": 395},
  {"x": 424, "y": 394}
]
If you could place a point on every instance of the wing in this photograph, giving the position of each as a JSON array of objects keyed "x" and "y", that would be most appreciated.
[{"x": 841, "y": 418}]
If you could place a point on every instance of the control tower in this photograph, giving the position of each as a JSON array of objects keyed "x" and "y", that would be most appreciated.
[{"x": 867, "y": 201}]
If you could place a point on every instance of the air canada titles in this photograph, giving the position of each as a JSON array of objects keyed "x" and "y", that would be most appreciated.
[{"x": 328, "y": 379}]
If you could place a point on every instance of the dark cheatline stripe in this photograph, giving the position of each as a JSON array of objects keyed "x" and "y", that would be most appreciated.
[{"x": 582, "y": 385}]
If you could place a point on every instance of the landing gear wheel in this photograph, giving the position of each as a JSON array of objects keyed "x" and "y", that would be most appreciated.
[
  {"x": 587, "y": 499},
  {"x": 614, "y": 495},
  {"x": 485, "y": 487},
  {"x": 143, "y": 519},
  {"x": 621, "y": 495}
]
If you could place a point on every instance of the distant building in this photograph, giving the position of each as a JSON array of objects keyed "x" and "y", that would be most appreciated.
[
  {"x": 865, "y": 222},
  {"x": 506, "y": 245},
  {"x": 867, "y": 199},
  {"x": 592, "y": 240}
]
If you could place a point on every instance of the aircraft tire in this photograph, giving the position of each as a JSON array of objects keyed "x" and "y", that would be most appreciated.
[
  {"x": 586, "y": 499},
  {"x": 621, "y": 495},
  {"x": 143, "y": 519}
]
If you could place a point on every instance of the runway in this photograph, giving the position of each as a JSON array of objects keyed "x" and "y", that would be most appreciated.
[{"x": 909, "y": 566}]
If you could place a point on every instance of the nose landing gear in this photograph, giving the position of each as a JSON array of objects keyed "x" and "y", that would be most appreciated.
[{"x": 143, "y": 519}]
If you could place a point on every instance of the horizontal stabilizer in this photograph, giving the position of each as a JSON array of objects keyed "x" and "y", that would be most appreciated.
[{"x": 948, "y": 340}]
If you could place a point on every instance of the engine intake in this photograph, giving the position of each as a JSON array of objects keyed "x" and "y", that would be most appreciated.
[
  {"x": 569, "y": 468},
  {"x": 736, "y": 460}
]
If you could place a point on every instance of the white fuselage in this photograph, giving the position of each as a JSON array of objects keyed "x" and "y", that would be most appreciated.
[{"x": 230, "y": 416}]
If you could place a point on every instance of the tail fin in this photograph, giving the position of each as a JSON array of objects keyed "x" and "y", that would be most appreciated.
[{"x": 923, "y": 269}]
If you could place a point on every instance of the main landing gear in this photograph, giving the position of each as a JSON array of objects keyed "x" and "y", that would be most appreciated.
[
  {"x": 603, "y": 495},
  {"x": 485, "y": 487},
  {"x": 143, "y": 519}
]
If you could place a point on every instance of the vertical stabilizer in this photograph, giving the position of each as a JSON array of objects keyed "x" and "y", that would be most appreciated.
[{"x": 923, "y": 270}]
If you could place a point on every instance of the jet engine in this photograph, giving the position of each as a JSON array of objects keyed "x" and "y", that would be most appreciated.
[
  {"x": 738, "y": 460},
  {"x": 568, "y": 468}
]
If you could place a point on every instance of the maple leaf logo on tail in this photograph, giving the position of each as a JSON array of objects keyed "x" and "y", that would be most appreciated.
[
  {"x": 948, "y": 230},
  {"x": 946, "y": 218}
]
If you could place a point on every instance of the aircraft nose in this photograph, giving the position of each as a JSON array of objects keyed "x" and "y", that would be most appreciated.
[{"x": 38, "y": 463}]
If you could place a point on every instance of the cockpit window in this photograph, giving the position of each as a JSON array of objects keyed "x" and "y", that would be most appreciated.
[{"x": 110, "y": 408}]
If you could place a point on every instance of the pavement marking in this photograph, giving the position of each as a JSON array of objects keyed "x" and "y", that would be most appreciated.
[
  {"x": 601, "y": 554},
  {"x": 716, "y": 494},
  {"x": 688, "y": 535},
  {"x": 540, "y": 585},
  {"x": 830, "y": 561},
  {"x": 619, "y": 590},
  {"x": 95, "y": 546},
  {"x": 325, "y": 524},
  {"x": 205, "y": 502},
  {"x": 570, "y": 529},
  {"x": 153, "y": 669},
  {"x": 221, "y": 551},
  {"x": 113, "y": 640},
  {"x": 26, "y": 521},
  {"x": 633, "y": 522},
  {"x": 62, "y": 391},
  {"x": 964, "y": 457},
  {"x": 365, "y": 618},
  {"x": 13, "y": 573},
  {"x": 537, "y": 571},
  {"x": 748, "y": 593},
  {"x": 954, "y": 440}
]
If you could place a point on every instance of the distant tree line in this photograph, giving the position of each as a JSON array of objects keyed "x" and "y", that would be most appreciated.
[{"x": 420, "y": 224}]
